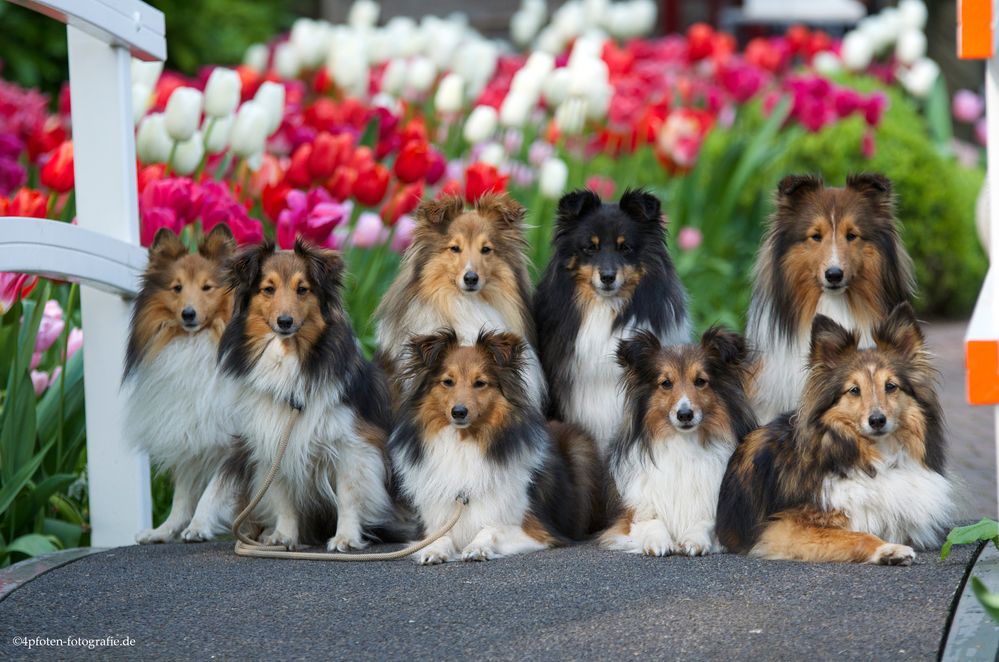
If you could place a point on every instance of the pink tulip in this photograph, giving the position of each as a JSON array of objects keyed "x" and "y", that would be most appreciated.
[
  {"x": 40, "y": 381},
  {"x": 689, "y": 238},
  {"x": 311, "y": 216},
  {"x": 13, "y": 287},
  {"x": 403, "y": 236},
  {"x": 74, "y": 342},
  {"x": 50, "y": 328},
  {"x": 156, "y": 218},
  {"x": 982, "y": 132},
  {"x": 867, "y": 144},
  {"x": 875, "y": 108},
  {"x": 369, "y": 231},
  {"x": 967, "y": 106}
]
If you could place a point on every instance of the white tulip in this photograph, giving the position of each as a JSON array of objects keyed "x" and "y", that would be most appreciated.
[
  {"x": 450, "y": 94},
  {"x": 348, "y": 66},
  {"x": 553, "y": 177},
  {"x": 550, "y": 41},
  {"x": 387, "y": 101},
  {"x": 569, "y": 20},
  {"x": 153, "y": 143},
  {"x": 587, "y": 47},
  {"x": 556, "y": 86},
  {"x": 515, "y": 109},
  {"x": 146, "y": 73},
  {"x": 540, "y": 63},
  {"x": 183, "y": 113},
  {"x": 141, "y": 96},
  {"x": 570, "y": 116},
  {"x": 481, "y": 124},
  {"x": 399, "y": 33},
  {"x": 441, "y": 40},
  {"x": 254, "y": 161},
  {"x": 877, "y": 30},
  {"x": 826, "y": 63},
  {"x": 527, "y": 21},
  {"x": 476, "y": 62},
  {"x": 256, "y": 57},
  {"x": 912, "y": 14},
  {"x": 920, "y": 78},
  {"x": 595, "y": 12},
  {"x": 309, "y": 39},
  {"x": 250, "y": 130},
  {"x": 394, "y": 76},
  {"x": 619, "y": 21},
  {"x": 911, "y": 46},
  {"x": 286, "y": 62},
  {"x": 420, "y": 74},
  {"x": 188, "y": 154},
  {"x": 598, "y": 100},
  {"x": 379, "y": 46},
  {"x": 363, "y": 14},
  {"x": 891, "y": 23},
  {"x": 493, "y": 154},
  {"x": 643, "y": 16},
  {"x": 216, "y": 131},
  {"x": 270, "y": 97},
  {"x": 857, "y": 50},
  {"x": 222, "y": 92}
]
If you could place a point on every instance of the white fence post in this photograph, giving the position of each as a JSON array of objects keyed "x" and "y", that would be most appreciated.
[{"x": 107, "y": 202}]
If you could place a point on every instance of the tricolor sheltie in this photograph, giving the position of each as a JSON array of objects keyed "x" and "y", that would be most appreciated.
[
  {"x": 177, "y": 404},
  {"x": 465, "y": 270},
  {"x": 290, "y": 344},
  {"x": 857, "y": 473},
  {"x": 470, "y": 428},
  {"x": 830, "y": 251},
  {"x": 685, "y": 412},
  {"x": 609, "y": 276}
]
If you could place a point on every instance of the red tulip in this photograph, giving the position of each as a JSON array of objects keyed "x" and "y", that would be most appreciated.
[
  {"x": 328, "y": 152},
  {"x": 405, "y": 200},
  {"x": 413, "y": 161},
  {"x": 699, "y": 37},
  {"x": 451, "y": 187},
  {"x": 482, "y": 178},
  {"x": 298, "y": 174},
  {"x": 57, "y": 173},
  {"x": 371, "y": 183},
  {"x": 26, "y": 202},
  {"x": 46, "y": 137},
  {"x": 274, "y": 199},
  {"x": 341, "y": 182},
  {"x": 438, "y": 166}
]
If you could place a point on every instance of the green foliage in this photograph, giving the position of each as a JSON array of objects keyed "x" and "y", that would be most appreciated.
[
  {"x": 984, "y": 529},
  {"x": 989, "y": 600},
  {"x": 33, "y": 49}
]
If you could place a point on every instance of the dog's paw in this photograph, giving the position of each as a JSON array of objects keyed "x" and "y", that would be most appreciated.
[
  {"x": 432, "y": 556},
  {"x": 343, "y": 542},
  {"x": 656, "y": 543},
  {"x": 197, "y": 532},
  {"x": 478, "y": 552},
  {"x": 278, "y": 538},
  {"x": 892, "y": 554},
  {"x": 694, "y": 546},
  {"x": 154, "y": 536}
]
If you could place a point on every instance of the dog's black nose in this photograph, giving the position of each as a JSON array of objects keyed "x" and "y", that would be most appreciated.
[
  {"x": 459, "y": 412},
  {"x": 471, "y": 279},
  {"x": 188, "y": 314},
  {"x": 834, "y": 275},
  {"x": 608, "y": 277},
  {"x": 685, "y": 415},
  {"x": 284, "y": 322},
  {"x": 877, "y": 421}
]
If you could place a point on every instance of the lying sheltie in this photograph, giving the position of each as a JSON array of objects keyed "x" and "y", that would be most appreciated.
[
  {"x": 465, "y": 270},
  {"x": 290, "y": 344},
  {"x": 857, "y": 473},
  {"x": 686, "y": 411},
  {"x": 609, "y": 275},
  {"x": 830, "y": 251},
  {"x": 469, "y": 428},
  {"x": 177, "y": 405}
]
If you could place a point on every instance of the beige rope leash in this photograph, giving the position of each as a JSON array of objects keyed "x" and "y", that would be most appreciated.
[{"x": 247, "y": 546}]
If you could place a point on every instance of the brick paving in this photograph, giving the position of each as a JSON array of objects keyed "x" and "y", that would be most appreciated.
[{"x": 971, "y": 430}]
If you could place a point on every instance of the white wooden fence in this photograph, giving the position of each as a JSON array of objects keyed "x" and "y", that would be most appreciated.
[{"x": 102, "y": 252}]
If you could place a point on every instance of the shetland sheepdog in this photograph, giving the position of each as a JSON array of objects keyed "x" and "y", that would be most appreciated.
[
  {"x": 609, "y": 276},
  {"x": 686, "y": 411},
  {"x": 470, "y": 428},
  {"x": 177, "y": 404},
  {"x": 465, "y": 270},
  {"x": 290, "y": 344},
  {"x": 830, "y": 251},
  {"x": 857, "y": 473}
]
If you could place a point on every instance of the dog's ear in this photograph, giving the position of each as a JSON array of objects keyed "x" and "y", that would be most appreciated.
[
  {"x": 325, "y": 268},
  {"x": 576, "y": 204},
  {"x": 869, "y": 183},
  {"x": 242, "y": 270},
  {"x": 641, "y": 205},
  {"x": 166, "y": 246},
  {"x": 830, "y": 342},
  {"x": 218, "y": 244},
  {"x": 507, "y": 210},
  {"x": 426, "y": 352},
  {"x": 439, "y": 213},
  {"x": 724, "y": 347},
  {"x": 793, "y": 186},
  {"x": 900, "y": 332},
  {"x": 638, "y": 351},
  {"x": 505, "y": 349}
]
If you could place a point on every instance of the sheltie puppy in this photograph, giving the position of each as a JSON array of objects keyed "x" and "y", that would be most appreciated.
[
  {"x": 470, "y": 428},
  {"x": 857, "y": 473},
  {"x": 177, "y": 404},
  {"x": 830, "y": 251},
  {"x": 290, "y": 344},
  {"x": 465, "y": 270},
  {"x": 686, "y": 411},
  {"x": 609, "y": 276}
]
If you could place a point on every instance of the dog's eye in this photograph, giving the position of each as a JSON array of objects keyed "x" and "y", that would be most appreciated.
[
  {"x": 486, "y": 250},
  {"x": 454, "y": 249},
  {"x": 666, "y": 384},
  {"x": 177, "y": 288},
  {"x": 850, "y": 236},
  {"x": 206, "y": 287},
  {"x": 624, "y": 248},
  {"x": 700, "y": 382},
  {"x": 590, "y": 249},
  {"x": 447, "y": 382},
  {"x": 301, "y": 290},
  {"x": 891, "y": 387},
  {"x": 479, "y": 383},
  {"x": 816, "y": 237},
  {"x": 854, "y": 390},
  {"x": 268, "y": 290}
]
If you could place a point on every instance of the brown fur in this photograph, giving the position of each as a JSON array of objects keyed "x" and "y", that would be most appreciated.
[
  {"x": 687, "y": 375},
  {"x": 587, "y": 472},
  {"x": 809, "y": 534}
]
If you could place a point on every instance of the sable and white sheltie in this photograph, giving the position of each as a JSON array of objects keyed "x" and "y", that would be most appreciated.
[
  {"x": 685, "y": 412},
  {"x": 290, "y": 343},
  {"x": 177, "y": 404},
  {"x": 830, "y": 251},
  {"x": 609, "y": 276},
  {"x": 857, "y": 473},
  {"x": 469, "y": 428},
  {"x": 465, "y": 270}
]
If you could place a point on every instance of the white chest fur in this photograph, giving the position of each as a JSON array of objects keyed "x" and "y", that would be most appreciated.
[
  {"x": 497, "y": 493},
  {"x": 904, "y": 503},
  {"x": 178, "y": 404}
]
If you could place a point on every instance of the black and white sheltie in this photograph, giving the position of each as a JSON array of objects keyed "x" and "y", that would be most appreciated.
[
  {"x": 857, "y": 473},
  {"x": 609, "y": 276},
  {"x": 178, "y": 408},
  {"x": 469, "y": 428},
  {"x": 830, "y": 251},
  {"x": 290, "y": 343},
  {"x": 685, "y": 412}
]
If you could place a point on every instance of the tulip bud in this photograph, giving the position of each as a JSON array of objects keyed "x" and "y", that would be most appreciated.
[
  {"x": 363, "y": 14},
  {"x": 222, "y": 92},
  {"x": 556, "y": 86},
  {"x": 394, "y": 76},
  {"x": 449, "y": 98},
  {"x": 515, "y": 109},
  {"x": 188, "y": 154},
  {"x": 146, "y": 73},
  {"x": 553, "y": 178},
  {"x": 250, "y": 130},
  {"x": 348, "y": 65},
  {"x": 911, "y": 46},
  {"x": 857, "y": 51},
  {"x": 216, "y": 132},
  {"x": 286, "y": 62},
  {"x": 309, "y": 41},
  {"x": 826, "y": 63},
  {"x": 643, "y": 17},
  {"x": 480, "y": 125},
  {"x": 920, "y": 78},
  {"x": 570, "y": 116},
  {"x": 492, "y": 153},
  {"x": 256, "y": 57},
  {"x": 912, "y": 14},
  {"x": 420, "y": 74},
  {"x": 140, "y": 101},
  {"x": 153, "y": 143},
  {"x": 270, "y": 98},
  {"x": 183, "y": 113}
]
